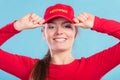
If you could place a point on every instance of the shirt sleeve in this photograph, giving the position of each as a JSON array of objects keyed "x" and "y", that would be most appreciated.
[
  {"x": 17, "y": 65},
  {"x": 109, "y": 27},
  {"x": 105, "y": 60},
  {"x": 6, "y": 32},
  {"x": 109, "y": 58}
]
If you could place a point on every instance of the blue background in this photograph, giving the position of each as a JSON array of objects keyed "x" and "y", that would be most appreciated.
[{"x": 31, "y": 43}]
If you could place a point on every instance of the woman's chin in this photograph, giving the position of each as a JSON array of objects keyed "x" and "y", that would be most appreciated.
[{"x": 60, "y": 49}]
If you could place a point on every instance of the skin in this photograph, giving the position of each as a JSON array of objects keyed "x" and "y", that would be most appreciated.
[
  {"x": 60, "y": 34},
  {"x": 57, "y": 33},
  {"x": 29, "y": 21}
]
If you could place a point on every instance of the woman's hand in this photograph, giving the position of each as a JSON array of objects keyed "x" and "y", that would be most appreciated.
[
  {"x": 28, "y": 21},
  {"x": 84, "y": 20}
]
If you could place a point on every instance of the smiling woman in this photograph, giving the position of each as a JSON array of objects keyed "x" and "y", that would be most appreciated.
[
  {"x": 60, "y": 30},
  {"x": 60, "y": 34}
]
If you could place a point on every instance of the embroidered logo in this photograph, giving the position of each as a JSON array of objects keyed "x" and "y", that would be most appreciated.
[{"x": 58, "y": 10}]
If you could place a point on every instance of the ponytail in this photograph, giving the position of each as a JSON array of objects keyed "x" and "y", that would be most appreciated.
[{"x": 41, "y": 68}]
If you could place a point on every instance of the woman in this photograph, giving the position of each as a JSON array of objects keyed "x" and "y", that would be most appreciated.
[{"x": 60, "y": 29}]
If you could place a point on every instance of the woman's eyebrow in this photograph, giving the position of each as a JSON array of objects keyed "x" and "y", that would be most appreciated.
[{"x": 66, "y": 22}]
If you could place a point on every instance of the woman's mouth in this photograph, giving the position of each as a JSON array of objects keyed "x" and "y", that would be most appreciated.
[{"x": 60, "y": 39}]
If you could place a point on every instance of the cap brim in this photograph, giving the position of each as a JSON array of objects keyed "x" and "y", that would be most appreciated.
[{"x": 55, "y": 16}]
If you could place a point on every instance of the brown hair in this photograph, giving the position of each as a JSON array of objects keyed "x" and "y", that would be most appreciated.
[{"x": 41, "y": 68}]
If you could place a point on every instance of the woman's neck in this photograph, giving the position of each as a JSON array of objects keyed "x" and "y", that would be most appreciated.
[{"x": 61, "y": 57}]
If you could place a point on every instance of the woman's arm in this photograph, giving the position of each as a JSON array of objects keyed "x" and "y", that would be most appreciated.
[
  {"x": 107, "y": 59},
  {"x": 28, "y": 21},
  {"x": 20, "y": 66},
  {"x": 89, "y": 21},
  {"x": 6, "y": 32},
  {"x": 110, "y": 27},
  {"x": 17, "y": 65}
]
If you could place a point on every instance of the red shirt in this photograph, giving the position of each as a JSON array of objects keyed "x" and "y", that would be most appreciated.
[{"x": 90, "y": 68}]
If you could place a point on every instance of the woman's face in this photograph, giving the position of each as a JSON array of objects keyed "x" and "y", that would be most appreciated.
[{"x": 60, "y": 34}]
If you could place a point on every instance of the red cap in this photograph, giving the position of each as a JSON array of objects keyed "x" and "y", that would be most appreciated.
[{"x": 59, "y": 10}]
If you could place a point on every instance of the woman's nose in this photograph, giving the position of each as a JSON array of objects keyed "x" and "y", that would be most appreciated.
[{"x": 59, "y": 30}]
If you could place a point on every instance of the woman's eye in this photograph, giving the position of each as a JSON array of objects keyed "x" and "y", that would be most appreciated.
[
  {"x": 51, "y": 27},
  {"x": 67, "y": 26}
]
